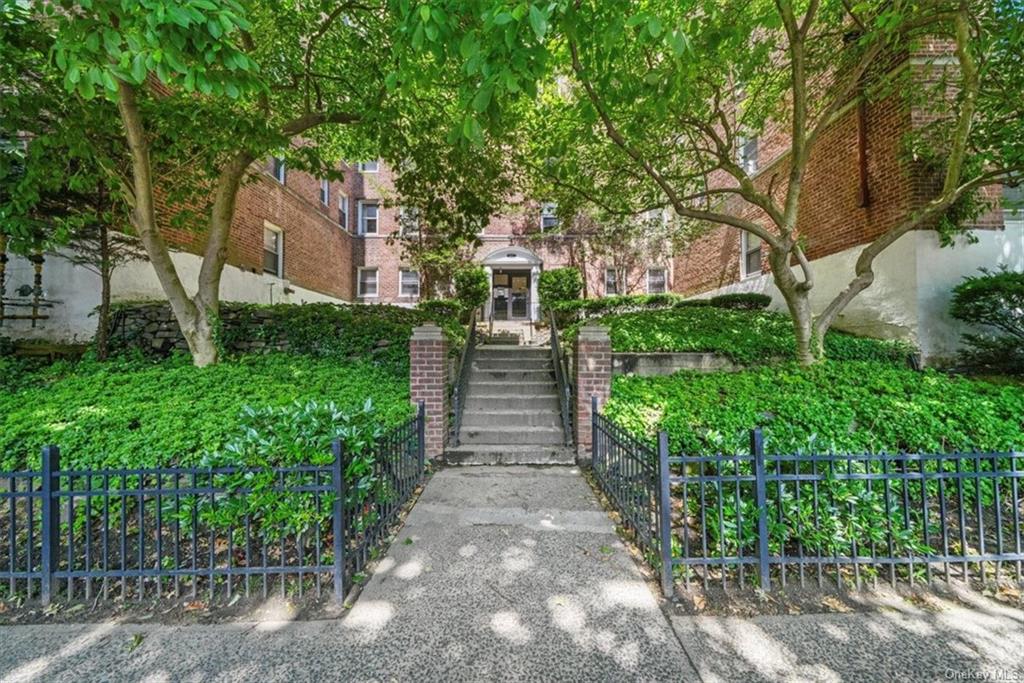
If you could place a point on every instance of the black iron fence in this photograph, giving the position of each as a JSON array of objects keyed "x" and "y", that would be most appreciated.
[
  {"x": 754, "y": 519},
  {"x": 461, "y": 386},
  {"x": 562, "y": 380},
  {"x": 190, "y": 531}
]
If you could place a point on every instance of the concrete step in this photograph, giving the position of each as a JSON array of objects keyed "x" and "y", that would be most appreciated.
[
  {"x": 509, "y": 455},
  {"x": 520, "y": 363},
  {"x": 548, "y": 436},
  {"x": 502, "y": 388},
  {"x": 515, "y": 376},
  {"x": 511, "y": 418},
  {"x": 512, "y": 351},
  {"x": 505, "y": 402}
]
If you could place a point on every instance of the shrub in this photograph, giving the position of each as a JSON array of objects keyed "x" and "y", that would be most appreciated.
[
  {"x": 472, "y": 287},
  {"x": 744, "y": 337},
  {"x": 441, "y": 309},
  {"x": 993, "y": 300},
  {"x": 741, "y": 301},
  {"x": 692, "y": 303},
  {"x": 139, "y": 413},
  {"x": 559, "y": 284},
  {"x": 845, "y": 407}
]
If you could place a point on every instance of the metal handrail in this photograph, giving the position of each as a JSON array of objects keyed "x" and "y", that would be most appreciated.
[
  {"x": 565, "y": 389},
  {"x": 462, "y": 379}
]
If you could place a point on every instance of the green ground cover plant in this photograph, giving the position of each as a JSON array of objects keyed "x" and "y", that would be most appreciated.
[
  {"x": 744, "y": 336},
  {"x": 833, "y": 407},
  {"x": 133, "y": 412}
]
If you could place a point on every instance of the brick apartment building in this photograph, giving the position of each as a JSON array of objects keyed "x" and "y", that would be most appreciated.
[{"x": 299, "y": 239}]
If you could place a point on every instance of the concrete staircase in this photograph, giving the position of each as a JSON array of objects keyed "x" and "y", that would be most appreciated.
[{"x": 512, "y": 414}]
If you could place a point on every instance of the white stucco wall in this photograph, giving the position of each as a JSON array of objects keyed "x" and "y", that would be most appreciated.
[
  {"x": 909, "y": 298},
  {"x": 77, "y": 291}
]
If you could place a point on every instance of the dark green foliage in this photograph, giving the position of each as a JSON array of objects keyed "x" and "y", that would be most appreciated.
[
  {"x": 691, "y": 303},
  {"x": 558, "y": 285},
  {"x": 743, "y": 336},
  {"x": 584, "y": 308},
  {"x": 441, "y": 309},
  {"x": 139, "y": 413},
  {"x": 995, "y": 301},
  {"x": 327, "y": 330},
  {"x": 741, "y": 301},
  {"x": 472, "y": 286},
  {"x": 845, "y": 407}
]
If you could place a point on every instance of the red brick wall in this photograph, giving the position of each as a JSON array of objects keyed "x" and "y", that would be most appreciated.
[
  {"x": 428, "y": 382},
  {"x": 593, "y": 370}
]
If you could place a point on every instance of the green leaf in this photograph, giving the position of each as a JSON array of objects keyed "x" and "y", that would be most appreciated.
[
  {"x": 538, "y": 21},
  {"x": 654, "y": 27},
  {"x": 482, "y": 99},
  {"x": 139, "y": 68},
  {"x": 424, "y": 13}
]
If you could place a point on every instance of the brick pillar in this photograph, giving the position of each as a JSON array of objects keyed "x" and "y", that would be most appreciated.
[
  {"x": 428, "y": 382},
  {"x": 593, "y": 358}
]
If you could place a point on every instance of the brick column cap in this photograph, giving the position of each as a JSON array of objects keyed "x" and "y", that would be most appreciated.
[
  {"x": 428, "y": 332},
  {"x": 594, "y": 333}
]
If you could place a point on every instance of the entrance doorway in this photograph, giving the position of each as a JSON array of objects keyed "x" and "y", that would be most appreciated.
[{"x": 510, "y": 294}]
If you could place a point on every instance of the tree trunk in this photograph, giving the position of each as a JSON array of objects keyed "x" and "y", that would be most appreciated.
[
  {"x": 103, "y": 330},
  {"x": 797, "y": 297}
]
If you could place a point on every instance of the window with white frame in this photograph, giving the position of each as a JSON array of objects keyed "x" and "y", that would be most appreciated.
[
  {"x": 343, "y": 212},
  {"x": 611, "y": 282},
  {"x": 273, "y": 251},
  {"x": 278, "y": 170},
  {"x": 746, "y": 153},
  {"x": 408, "y": 283},
  {"x": 750, "y": 254},
  {"x": 367, "y": 282},
  {"x": 548, "y": 215},
  {"x": 656, "y": 281},
  {"x": 369, "y": 217},
  {"x": 409, "y": 220},
  {"x": 325, "y": 192},
  {"x": 369, "y": 166}
]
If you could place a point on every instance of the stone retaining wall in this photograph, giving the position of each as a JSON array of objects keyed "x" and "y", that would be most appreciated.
[{"x": 151, "y": 327}]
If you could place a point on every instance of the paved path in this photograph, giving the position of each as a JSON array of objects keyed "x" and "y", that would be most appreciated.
[
  {"x": 512, "y": 572},
  {"x": 515, "y": 573}
]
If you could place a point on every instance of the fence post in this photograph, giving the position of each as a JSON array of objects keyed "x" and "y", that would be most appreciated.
[
  {"x": 593, "y": 431},
  {"x": 51, "y": 521},
  {"x": 338, "y": 521},
  {"x": 757, "y": 449},
  {"x": 664, "y": 515},
  {"x": 421, "y": 436}
]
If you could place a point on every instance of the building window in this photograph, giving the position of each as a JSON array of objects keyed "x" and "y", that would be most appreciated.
[
  {"x": 277, "y": 169},
  {"x": 409, "y": 221},
  {"x": 611, "y": 282},
  {"x": 548, "y": 215},
  {"x": 343, "y": 212},
  {"x": 656, "y": 283},
  {"x": 369, "y": 166},
  {"x": 325, "y": 192},
  {"x": 273, "y": 252},
  {"x": 750, "y": 257},
  {"x": 746, "y": 153},
  {"x": 369, "y": 218},
  {"x": 1013, "y": 206},
  {"x": 409, "y": 283},
  {"x": 367, "y": 282}
]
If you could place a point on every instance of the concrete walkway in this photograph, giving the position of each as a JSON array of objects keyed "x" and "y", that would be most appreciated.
[{"x": 515, "y": 573}]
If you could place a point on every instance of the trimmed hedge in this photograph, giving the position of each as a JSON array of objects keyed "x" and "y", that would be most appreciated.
[
  {"x": 845, "y": 407},
  {"x": 745, "y": 337},
  {"x": 558, "y": 285},
  {"x": 741, "y": 301},
  {"x": 132, "y": 412},
  {"x": 994, "y": 301}
]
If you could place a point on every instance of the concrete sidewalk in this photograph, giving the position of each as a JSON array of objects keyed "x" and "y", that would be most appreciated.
[
  {"x": 516, "y": 573},
  {"x": 499, "y": 573}
]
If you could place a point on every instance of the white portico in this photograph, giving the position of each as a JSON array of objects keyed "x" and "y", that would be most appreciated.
[{"x": 513, "y": 273}]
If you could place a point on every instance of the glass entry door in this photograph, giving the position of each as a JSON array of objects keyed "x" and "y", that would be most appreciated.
[{"x": 510, "y": 299}]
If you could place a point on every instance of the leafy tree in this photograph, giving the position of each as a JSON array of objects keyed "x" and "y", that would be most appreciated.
[
  {"x": 472, "y": 287},
  {"x": 648, "y": 104},
  {"x": 995, "y": 302},
  {"x": 204, "y": 89},
  {"x": 55, "y": 184}
]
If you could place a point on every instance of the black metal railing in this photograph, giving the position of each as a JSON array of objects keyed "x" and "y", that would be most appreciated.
[
  {"x": 461, "y": 386},
  {"x": 201, "y": 531},
  {"x": 754, "y": 519},
  {"x": 562, "y": 378}
]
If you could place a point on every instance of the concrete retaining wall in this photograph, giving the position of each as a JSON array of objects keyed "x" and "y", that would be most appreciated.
[{"x": 653, "y": 364}]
